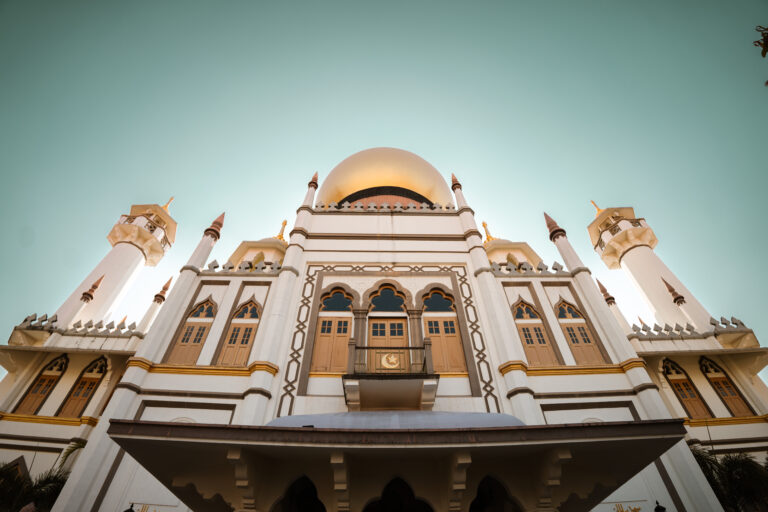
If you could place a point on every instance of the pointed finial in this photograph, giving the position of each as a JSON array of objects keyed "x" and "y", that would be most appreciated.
[
  {"x": 488, "y": 236},
  {"x": 599, "y": 210},
  {"x": 215, "y": 229},
  {"x": 313, "y": 182},
  {"x": 166, "y": 205},
  {"x": 282, "y": 230},
  {"x": 123, "y": 320},
  {"x": 555, "y": 231},
  {"x": 87, "y": 296},
  {"x": 160, "y": 296},
  {"x": 454, "y": 182},
  {"x": 676, "y": 297},
  {"x": 607, "y": 296}
]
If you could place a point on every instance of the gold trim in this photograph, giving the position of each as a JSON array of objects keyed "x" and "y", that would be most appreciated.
[
  {"x": 50, "y": 420},
  {"x": 711, "y": 422},
  {"x": 326, "y": 374},
  {"x": 571, "y": 370},
  {"x": 230, "y": 371},
  {"x": 449, "y": 375}
]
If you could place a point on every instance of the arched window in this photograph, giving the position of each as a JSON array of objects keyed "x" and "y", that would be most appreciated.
[
  {"x": 386, "y": 329},
  {"x": 42, "y": 386},
  {"x": 536, "y": 343},
  {"x": 685, "y": 391},
  {"x": 240, "y": 335},
  {"x": 192, "y": 335},
  {"x": 580, "y": 337},
  {"x": 441, "y": 326},
  {"x": 334, "y": 328},
  {"x": 83, "y": 390},
  {"x": 725, "y": 388}
]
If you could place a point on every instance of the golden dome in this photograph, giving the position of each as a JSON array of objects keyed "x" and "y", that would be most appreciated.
[{"x": 384, "y": 167}]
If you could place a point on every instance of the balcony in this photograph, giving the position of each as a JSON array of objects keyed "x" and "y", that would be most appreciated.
[{"x": 393, "y": 378}]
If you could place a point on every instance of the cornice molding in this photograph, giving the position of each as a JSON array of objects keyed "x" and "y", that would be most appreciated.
[
  {"x": 623, "y": 367},
  {"x": 230, "y": 371}
]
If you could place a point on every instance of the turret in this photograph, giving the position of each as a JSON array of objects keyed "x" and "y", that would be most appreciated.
[
  {"x": 154, "y": 308},
  {"x": 625, "y": 241},
  {"x": 611, "y": 303},
  {"x": 141, "y": 237}
]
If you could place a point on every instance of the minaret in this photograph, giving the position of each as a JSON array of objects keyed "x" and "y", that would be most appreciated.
[
  {"x": 624, "y": 241},
  {"x": 611, "y": 302},
  {"x": 139, "y": 238},
  {"x": 154, "y": 308}
]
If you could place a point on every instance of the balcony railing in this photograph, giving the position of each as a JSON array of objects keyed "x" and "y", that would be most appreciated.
[{"x": 390, "y": 360}]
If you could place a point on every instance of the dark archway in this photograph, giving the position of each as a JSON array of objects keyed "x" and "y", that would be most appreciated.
[
  {"x": 493, "y": 497},
  {"x": 301, "y": 496},
  {"x": 397, "y": 496}
]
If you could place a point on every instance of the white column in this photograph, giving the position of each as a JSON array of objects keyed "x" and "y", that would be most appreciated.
[
  {"x": 154, "y": 309},
  {"x": 647, "y": 270},
  {"x": 119, "y": 267}
]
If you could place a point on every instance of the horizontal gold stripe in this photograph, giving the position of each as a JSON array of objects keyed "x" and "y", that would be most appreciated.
[
  {"x": 571, "y": 370},
  {"x": 326, "y": 374},
  {"x": 710, "y": 422},
  {"x": 50, "y": 420},
  {"x": 231, "y": 371},
  {"x": 452, "y": 374}
]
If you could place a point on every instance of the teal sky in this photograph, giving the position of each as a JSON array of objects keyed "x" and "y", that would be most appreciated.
[{"x": 231, "y": 106}]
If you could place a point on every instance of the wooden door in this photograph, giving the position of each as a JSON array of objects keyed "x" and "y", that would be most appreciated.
[
  {"x": 690, "y": 399},
  {"x": 187, "y": 348},
  {"x": 730, "y": 396},
  {"x": 37, "y": 394},
  {"x": 447, "y": 351},
  {"x": 584, "y": 350},
  {"x": 388, "y": 332},
  {"x": 238, "y": 343},
  {"x": 538, "y": 349},
  {"x": 79, "y": 396},
  {"x": 331, "y": 345}
]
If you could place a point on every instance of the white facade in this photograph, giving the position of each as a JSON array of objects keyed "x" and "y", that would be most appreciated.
[{"x": 599, "y": 415}]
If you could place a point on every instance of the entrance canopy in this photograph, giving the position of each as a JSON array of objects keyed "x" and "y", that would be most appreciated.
[{"x": 543, "y": 467}]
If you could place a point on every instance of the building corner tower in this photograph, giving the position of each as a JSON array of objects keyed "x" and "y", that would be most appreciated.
[{"x": 142, "y": 237}]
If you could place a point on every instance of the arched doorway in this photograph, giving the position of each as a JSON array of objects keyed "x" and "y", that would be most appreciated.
[
  {"x": 397, "y": 496},
  {"x": 493, "y": 497},
  {"x": 301, "y": 496}
]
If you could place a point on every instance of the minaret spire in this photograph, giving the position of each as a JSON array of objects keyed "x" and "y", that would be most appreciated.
[
  {"x": 88, "y": 295},
  {"x": 599, "y": 210},
  {"x": 166, "y": 205},
  {"x": 309, "y": 198},
  {"x": 607, "y": 296},
  {"x": 676, "y": 297},
  {"x": 454, "y": 182},
  {"x": 554, "y": 230},
  {"x": 160, "y": 296},
  {"x": 215, "y": 228}
]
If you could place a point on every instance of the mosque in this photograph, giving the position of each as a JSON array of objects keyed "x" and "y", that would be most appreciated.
[{"x": 383, "y": 355}]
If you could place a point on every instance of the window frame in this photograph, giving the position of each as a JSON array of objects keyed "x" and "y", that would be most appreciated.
[
  {"x": 77, "y": 381},
  {"x": 65, "y": 358},
  {"x": 667, "y": 361},
  {"x": 705, "y": 360}
]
